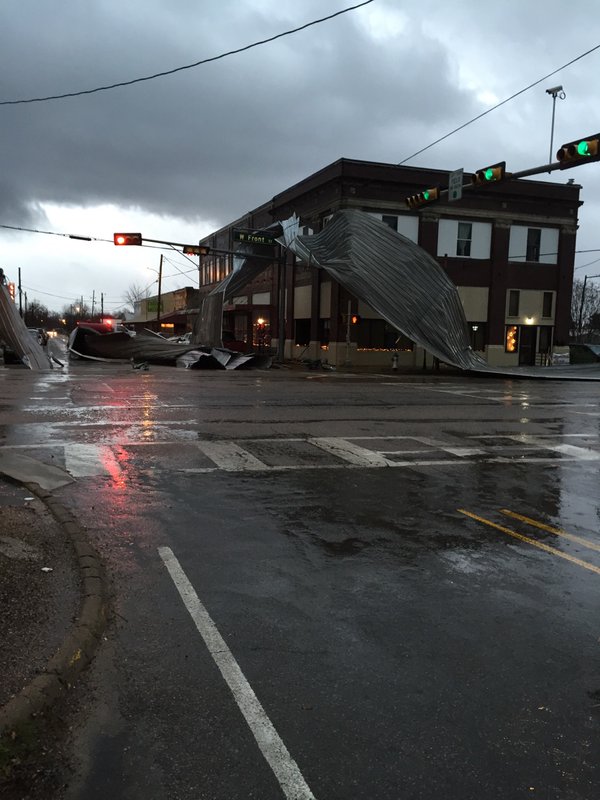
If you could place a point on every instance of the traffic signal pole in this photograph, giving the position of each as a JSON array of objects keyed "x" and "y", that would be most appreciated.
[
  {"x": 160, "y": 266},
  {"x": 524, "y": 173}
]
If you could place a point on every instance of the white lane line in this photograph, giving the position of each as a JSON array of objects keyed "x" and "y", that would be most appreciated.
[
  {"x": 350, "y": 452},
  {"x": 272, "y": 747},
  {"x": 536, "y": 435},
  {"x": 582, "y": 453},
  {"x": 87, "y": 460},
  {"x": 231, "y": 457}
]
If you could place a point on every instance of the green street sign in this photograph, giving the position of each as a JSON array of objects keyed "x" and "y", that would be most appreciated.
[{"x": 252, "y": 238}]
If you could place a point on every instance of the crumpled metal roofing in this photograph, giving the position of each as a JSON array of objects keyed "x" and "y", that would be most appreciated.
[
  {"x": 390, "y": 273},
  {"x": 395, "y": 277},
  {"x": 14, "y": 331}
]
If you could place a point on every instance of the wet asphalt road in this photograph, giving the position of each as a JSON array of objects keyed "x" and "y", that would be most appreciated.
[{"x": 354, "y": 541}]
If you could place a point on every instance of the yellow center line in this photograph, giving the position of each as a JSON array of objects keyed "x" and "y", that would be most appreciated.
[
  {"x": 557, "y": 531},
  {"x": 526, "y": 539}
]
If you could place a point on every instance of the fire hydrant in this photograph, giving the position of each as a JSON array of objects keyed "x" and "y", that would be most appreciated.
[{"x": 395, "y": 362}]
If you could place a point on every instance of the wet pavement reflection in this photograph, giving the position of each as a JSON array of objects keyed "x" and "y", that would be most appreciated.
[{"x": 407, "y": 569}]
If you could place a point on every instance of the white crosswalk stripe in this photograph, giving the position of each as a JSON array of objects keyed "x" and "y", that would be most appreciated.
[{"x": 84, "y": 460}]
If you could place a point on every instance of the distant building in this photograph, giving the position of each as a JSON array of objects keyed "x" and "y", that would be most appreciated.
[
  {"x": 178, "y": 309},
  {"x": 509, "y": 248}
]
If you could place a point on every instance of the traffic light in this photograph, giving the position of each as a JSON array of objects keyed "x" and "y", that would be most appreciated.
[
  {"x": 127, "y": 238},
  {"x": 195, "y": 250},
  {"x": 497, "y": 172},
  {"x": 12, "y": 291},
  {"x": 579, "y": 151},
  {"x": 355, "y": 319},
  {"x": 423, "y": 198}
]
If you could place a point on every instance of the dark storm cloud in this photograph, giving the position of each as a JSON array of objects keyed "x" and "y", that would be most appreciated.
[{"x": 216, "y": 140}]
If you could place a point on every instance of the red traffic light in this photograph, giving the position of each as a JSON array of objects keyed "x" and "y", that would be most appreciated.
[
  {"x": 355, "y": 319},
  {"x": 195, "y": 250},
  {"x": 127, "y": 238}
]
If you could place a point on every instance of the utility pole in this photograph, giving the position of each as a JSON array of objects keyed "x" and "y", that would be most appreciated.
[
  {"x": 20, "y": 295},
  {"x": 159, "y": 292},
  {"x": 25, "y": 317},
  {"x": 93, "y": 302},
  {"x": 556, "y": 91},
  {"x": 282, "y": 282},
  {"x": 81, "y": 306},
  {"x": 102, "y": 304}
]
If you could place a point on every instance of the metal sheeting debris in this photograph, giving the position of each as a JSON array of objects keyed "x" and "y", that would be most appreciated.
[
  {"x": 219, "y": 358},
  {"x": 395, "y": 277},
  {"x": 15, "y": 333},
  {"x": 92, "y": 344},
  {"x": 147, "y": 347}
]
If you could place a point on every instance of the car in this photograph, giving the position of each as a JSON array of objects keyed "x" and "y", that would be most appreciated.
[{"x": 40, "y": 334}]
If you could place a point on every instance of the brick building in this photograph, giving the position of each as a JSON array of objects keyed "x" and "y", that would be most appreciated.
[{"x": 509, "y": 248}]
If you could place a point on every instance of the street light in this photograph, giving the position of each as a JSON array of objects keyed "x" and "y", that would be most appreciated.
[{"x": 555, "y": 91}]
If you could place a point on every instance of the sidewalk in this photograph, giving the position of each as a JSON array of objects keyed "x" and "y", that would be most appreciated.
[{"x": 52, "y": 597}]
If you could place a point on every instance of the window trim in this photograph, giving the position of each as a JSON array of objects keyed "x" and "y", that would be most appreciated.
[
  {"x": 512, "y": 293},
  {"x": 466, "y": 241},
  {"x": 551, "y": 296},
  {"x": 536, "y": 248}
]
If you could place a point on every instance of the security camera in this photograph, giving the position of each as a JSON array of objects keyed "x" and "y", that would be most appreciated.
[{"x": 554, "y": 90}]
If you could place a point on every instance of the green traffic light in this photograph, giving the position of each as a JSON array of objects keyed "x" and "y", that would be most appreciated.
[
  {"x": 583, "y": 149},
  {"x": 489, "y": 174},
  {"x": 425, "y": 195}
]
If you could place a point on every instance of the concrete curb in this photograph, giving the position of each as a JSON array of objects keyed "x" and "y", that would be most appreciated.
[{"x": 79, "y": 646}]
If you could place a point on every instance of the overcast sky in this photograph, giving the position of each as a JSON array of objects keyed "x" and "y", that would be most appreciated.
[{"x": 182, "y": 155}]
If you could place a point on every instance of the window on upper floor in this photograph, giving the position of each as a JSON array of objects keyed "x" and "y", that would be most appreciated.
[
  {"x": 464, "y": 239},
  {"x": 514, "y": 296},
  {"x": 534, "y": 245},
  {"x": 547, "y": 304},
  {"x": 391, "y": 220},
  {"x": 534, "y": 240}
]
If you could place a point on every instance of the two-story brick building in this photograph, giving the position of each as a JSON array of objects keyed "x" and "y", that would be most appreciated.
[{"x": 509, "y": 248}]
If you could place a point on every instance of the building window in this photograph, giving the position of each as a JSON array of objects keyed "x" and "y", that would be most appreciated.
[
  {"x": 534, "y": 238},
  {"x": 545, "y": 340},
  {"x": 465, "y": 236},
  {"x": 513, "y": 303},
  {"x": 477, "y": 332},
  {"x": 325, "y": 221},
  {"x": 512, "y": 339},
  {"x": 302, "y": 332},
  {"x": 547, "y": 304},
  {"x": 390, "y": 220},
  {"x": 324, "y": 332}
]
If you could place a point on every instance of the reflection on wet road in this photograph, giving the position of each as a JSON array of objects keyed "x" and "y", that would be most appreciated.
[{"x": 406, "y": 571}]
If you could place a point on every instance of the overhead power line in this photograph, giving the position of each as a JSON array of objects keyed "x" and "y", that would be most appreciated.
[
  {"x": 187, "y": 66},
  {"x": 493, "y": 108}
]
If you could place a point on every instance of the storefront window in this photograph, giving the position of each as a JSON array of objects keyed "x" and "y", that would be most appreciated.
[{"x": 512, "y": 339}]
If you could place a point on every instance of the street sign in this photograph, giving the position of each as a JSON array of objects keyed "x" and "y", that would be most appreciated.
[
  {"x": 455, "y": 184},
  {"x": 252, "y": 238}
]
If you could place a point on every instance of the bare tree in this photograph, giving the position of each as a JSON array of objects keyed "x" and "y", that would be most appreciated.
[
  {"x": 134, "y": 294},
  {"x": 584, "y": 307}
]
